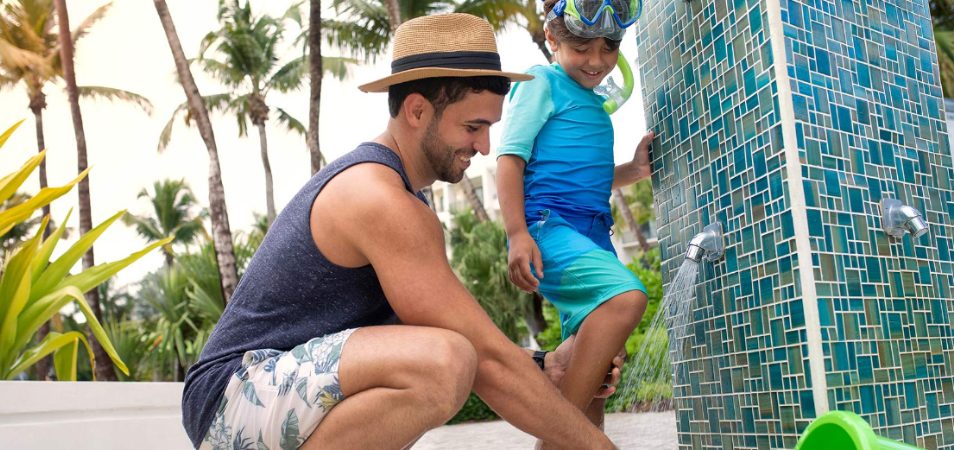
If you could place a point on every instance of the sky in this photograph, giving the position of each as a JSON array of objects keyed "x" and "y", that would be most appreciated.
[{"x": 128, "y": 50}]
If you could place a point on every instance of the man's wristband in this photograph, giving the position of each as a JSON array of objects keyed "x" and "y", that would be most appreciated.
[{"x": 539, "y": 356}]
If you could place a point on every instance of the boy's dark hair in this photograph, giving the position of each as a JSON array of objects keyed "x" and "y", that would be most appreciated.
[
  {"x": 558, "y": 27},
  {"x": 442, "y": 91}
]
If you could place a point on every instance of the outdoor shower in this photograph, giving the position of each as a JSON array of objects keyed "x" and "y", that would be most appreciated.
[{"x": 899, "y": 218}]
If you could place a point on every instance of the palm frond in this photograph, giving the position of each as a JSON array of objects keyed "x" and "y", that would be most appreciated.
[
  {"x": 339, "y": 67},
  {"x": 13, "y": 57},
  {"x": 498, "y": 13},
  {"x": 166, "y": 134},
  {"x": 365, "y": 40},
  {"x": 290, "y": 122},
  {"x": 213, "y": 103},
  {"x": 291, "y": 76},
  {"x": 83, "y": 28},
  {"x": 113, "y": 94}
]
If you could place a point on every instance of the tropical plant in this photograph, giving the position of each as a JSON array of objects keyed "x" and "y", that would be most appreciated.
[
  {"x": 183, "y": 304},
  {"x": 480, "y": 259},
  {"x": 33, "y": 288},
  {"x": 173, "y": 214},
  {"x": 221, "y": 234},
  {"x": 942, "y": 16},
  {"x": 30, "y": 54},
  {"x": 20, "y": 231}
]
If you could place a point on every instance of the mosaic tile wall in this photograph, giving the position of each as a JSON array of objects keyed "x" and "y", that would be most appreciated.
[{"x": 788, "y": 121}]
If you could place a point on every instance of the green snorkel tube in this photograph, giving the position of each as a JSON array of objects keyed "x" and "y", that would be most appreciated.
[
  {"x": 609, "y": 19},
  {"x": 615, "y": 95}
]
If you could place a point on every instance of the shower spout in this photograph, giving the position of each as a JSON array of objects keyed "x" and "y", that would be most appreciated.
[
  {"x": 707, "y": 245},
  {"x": 899, "y": 218}
]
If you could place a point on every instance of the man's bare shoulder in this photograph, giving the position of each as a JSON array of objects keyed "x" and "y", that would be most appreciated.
[{"x": 371, "y": 193}]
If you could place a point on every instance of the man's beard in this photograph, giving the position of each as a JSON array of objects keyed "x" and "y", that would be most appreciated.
[{"x": 441, "y": 156}]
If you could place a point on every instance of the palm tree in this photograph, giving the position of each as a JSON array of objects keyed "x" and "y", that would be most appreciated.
[
  {"x": 172, "y": 215},
  {"x": 221, "y": 235},
  {"x": 314, "y": 85},
  {"x": 249, "y": 46},
  {"x": 103, "y": 371},
  {"x": 30, "y": 53}
]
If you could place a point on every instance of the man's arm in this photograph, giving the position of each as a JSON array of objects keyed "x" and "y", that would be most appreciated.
[{"x": 404, "y": 243}]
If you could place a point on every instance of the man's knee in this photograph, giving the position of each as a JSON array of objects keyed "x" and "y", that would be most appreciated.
[{"x": 450, "y": 365}]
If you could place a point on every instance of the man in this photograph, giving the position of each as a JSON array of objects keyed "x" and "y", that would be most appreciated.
[{"x": 349, "y": 329}]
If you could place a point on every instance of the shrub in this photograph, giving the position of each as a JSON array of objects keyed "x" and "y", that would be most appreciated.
[{"x": 33, "y": 289}]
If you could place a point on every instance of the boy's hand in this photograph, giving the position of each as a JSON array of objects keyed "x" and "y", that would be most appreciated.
[
  {"x": 641, "y": 160},
  {"x": 523, "y": 252}
]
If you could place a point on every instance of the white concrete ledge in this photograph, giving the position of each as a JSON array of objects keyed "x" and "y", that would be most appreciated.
[{"x": 84, "y": 415}]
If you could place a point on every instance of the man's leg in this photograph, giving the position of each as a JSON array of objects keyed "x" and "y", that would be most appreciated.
[{"x": 399, "y": 381}]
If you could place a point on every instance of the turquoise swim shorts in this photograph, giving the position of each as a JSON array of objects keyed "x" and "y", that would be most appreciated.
[{"x": 579, "y": 275}]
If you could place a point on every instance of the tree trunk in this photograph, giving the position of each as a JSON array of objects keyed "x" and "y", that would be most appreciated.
[
  {"x": 221, "y": 234},
  {"x": 269, "y": 187},
  {"x": 394, "y": 14},
  {"x": 37, "y": 103},
  {"x": 629, "y": 219},
  {"x": 540, "y": 39},
  {"x": 104, "y": 370},
  {"x": 315, "y": 71},
  {"x": 475, "y": 202}
]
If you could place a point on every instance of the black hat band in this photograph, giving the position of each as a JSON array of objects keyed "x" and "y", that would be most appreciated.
[{"x": 448, "y": 60}]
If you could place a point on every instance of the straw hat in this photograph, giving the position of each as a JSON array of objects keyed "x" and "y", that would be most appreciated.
[{"x": 443, "y": 45}]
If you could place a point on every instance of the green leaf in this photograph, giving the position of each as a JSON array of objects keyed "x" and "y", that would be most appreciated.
[
  {"x": 94, "y": 276},
  {"x": 23, "y": 211},
  {"x": 42, "y": 310},
  {"x": 6, "y": 134},
  {"x": 51, "y": 343},
  {"x": 290, "y": 439},
  {"x": 55, "y": 272},
  {"x": 10, "y": 183},
  {"x": 64, "y": 360},
  {"x": 14, "y": 294},
  {"x": 46, "y": 250}
]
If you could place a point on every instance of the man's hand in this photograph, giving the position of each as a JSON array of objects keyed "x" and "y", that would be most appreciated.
[
  {"x": 523, "y": 252},
  {"x": 556, "y": 362},
  {"x": 641, "y": 160}
]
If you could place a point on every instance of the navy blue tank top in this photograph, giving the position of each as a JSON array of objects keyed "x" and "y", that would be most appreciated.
[{"x": 289, "y": 294}]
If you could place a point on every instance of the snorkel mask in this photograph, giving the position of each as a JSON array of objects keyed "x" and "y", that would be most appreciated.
[{"x": 590, "y": 19}]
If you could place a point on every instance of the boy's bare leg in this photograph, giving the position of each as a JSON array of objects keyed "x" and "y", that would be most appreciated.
[
  {"x": 398, "y": 381},
  {"x": 595, "y": 413},
  {"x": 599, "y": 339}
]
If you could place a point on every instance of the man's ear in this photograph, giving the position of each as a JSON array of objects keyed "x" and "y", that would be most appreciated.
[{"x": 417, "y": 110}]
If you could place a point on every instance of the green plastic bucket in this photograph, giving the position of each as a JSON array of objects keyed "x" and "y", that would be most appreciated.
[{"x": 845, "y": 430}]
